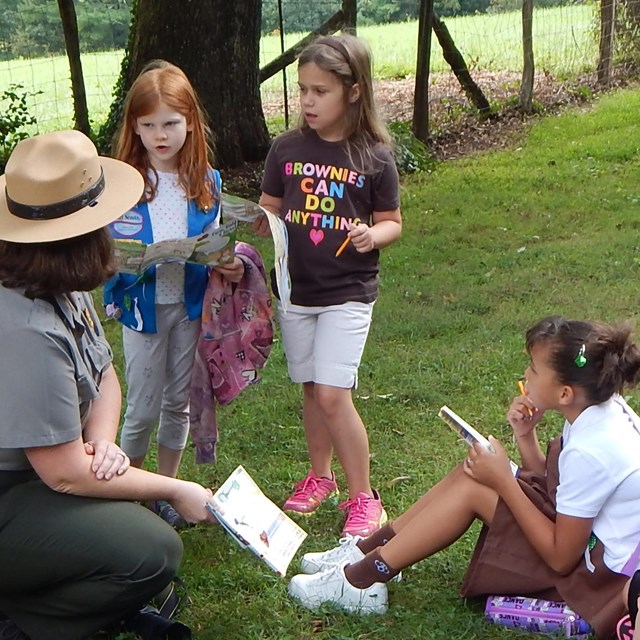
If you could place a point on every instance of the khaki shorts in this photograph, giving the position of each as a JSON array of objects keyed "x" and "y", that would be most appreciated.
[{"x": 325, "y": 344}]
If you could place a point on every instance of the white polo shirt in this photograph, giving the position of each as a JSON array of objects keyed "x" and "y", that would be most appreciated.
[{"x": 599, "y": 470}]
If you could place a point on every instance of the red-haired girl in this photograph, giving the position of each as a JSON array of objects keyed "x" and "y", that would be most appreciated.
[{"x": 165, "y": 136}]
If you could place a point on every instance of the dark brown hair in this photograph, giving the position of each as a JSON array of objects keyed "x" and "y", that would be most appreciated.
[
  {"x": 47, "y": 269},
  {"x": 349, "y": 59},
  {"x": 600, "y": 358}
]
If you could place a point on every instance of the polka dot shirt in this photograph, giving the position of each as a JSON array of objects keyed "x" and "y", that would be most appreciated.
[{"x": 168, "y": 214}]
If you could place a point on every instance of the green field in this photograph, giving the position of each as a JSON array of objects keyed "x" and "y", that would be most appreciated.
[{"x": 563, "y": 41}]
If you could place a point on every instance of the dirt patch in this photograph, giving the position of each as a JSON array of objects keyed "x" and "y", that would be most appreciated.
[{"x": 456, "y": 130}]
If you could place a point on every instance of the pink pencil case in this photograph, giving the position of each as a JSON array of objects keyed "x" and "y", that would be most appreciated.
[{"x": 532, "y": 614}]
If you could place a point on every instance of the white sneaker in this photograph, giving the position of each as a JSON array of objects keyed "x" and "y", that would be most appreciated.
[
  {"x": 345, "y": 553},
  {"x": 332, "y": 586}
]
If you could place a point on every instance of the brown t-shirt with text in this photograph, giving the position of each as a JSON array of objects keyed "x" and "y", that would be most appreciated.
[{"x": 321, "y": 194}]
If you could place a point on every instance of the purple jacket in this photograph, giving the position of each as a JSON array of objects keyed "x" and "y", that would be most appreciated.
[{"x": 235, "y": 341}]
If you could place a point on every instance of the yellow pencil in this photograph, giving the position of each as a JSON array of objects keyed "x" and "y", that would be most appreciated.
[
  {"x": 342, "y": 247},
  {"x": 522, "y": 393}
]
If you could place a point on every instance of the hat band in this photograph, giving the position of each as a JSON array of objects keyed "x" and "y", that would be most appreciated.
[{"x": 57, "y": 209}]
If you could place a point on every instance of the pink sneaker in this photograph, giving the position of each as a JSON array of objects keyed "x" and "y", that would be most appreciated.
[
  {"x": 309, "y": 493},
  {"x": 364, "y": 515}
]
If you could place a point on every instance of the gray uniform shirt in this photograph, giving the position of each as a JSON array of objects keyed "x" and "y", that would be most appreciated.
[{"x": 52, "y": 356}]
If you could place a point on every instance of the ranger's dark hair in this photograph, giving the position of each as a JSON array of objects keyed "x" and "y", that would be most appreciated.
[{"x": 46, "y": 269}]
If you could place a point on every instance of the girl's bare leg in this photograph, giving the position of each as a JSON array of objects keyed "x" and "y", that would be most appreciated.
[
  {"x": 316, "y": 432},
  {"x": 347, "y": 434},
  {"x": 438, "y": 519},
  {"x": 168, "y": 461}
]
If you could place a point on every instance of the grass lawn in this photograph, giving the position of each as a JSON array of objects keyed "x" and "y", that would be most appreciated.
[{"x": 490, "y": 244}]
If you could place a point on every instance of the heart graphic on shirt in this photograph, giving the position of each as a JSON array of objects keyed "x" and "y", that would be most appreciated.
[{"x": 317, "y": 236}]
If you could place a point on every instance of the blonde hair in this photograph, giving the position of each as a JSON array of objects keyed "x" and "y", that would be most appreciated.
[
  {"x": 349, "y": 59},
  {"x": 161, "y": 81}
]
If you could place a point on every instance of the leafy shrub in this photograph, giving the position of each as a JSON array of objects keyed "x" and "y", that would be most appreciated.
[
  {"x": 583, "y": 93},
  {"x": 411, "y": 154},
  {"x": 627, "y": 30},
  {"x": 14, "y": 116}
]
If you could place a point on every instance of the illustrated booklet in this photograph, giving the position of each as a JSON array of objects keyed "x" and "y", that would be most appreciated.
[
  {"x": 468, "y": 433},
  {"x": 212, "y": 247},
  {"x": 215, "y": 246},
  {"x": 255, "y": 522}
]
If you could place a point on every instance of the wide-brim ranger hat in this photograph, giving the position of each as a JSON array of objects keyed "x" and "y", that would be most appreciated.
[{"x": 56, "y": 186}]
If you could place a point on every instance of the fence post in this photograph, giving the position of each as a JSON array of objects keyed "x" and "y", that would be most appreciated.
[
  {"x": 72, "y": 45},
  {"x": 350, "y": 16},
  {"x": 528, "y": 67},
  {"x": 333, "y": 24},
  {"x": 420, "y": 124},
  {"x": 285, "y": 90},
  {"x": 607, "y": 20}
]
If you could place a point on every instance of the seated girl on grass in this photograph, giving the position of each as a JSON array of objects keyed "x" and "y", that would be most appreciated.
[{"x": 562, "y": 530}]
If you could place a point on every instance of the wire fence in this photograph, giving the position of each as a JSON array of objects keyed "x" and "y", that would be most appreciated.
[{"x": 566, "y": 42}]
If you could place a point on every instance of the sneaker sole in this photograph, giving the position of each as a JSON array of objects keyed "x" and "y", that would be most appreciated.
[{"x": 375, "y": 608}]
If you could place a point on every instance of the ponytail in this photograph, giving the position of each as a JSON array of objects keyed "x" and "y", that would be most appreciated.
[{"x": 600, "y": 358}]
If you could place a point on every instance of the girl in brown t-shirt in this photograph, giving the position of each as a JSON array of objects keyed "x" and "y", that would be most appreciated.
[{"x": 334, "y": 182}]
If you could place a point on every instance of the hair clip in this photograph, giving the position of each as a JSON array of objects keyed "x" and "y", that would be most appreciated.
[{"x": 581, "y": 359}]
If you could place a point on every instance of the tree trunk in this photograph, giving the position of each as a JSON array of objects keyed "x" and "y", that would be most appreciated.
[
  {"x": 216, "y": 43},
  {"x": 528, "y": 68},
  {"x": 72, "y": 45},
  {"x": 459, "y": 67}
]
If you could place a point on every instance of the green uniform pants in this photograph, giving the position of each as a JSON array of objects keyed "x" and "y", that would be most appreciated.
[{"x": 70, "y": 566}]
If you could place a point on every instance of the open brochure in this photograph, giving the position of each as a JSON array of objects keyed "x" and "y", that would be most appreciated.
[
  {"x": 242, "y": 210},
  {"x": 255, "y": 522},
  {"x": 212, "y": 247},
  {"x": 467, "y": 432}
]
